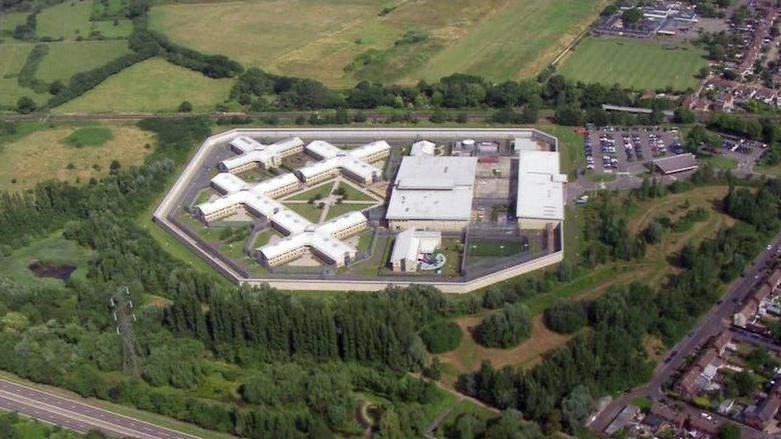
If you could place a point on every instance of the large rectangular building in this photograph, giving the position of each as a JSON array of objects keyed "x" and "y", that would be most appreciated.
[
  {"x": 433, "y": 193},
  {"x": 540, "y": 196},
  {"x": 253, "y": 154}
]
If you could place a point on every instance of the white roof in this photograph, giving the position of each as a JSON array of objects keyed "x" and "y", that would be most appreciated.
[
  {"x": 320, "y": 237},
  {"x": 254, "y": 151},
  {"x": 433, "y": 188},
  {"x": 525, "y": 143},
  {"x": 322, "y": 149},
  {"x": 411, "y": 242},
  {"x": 540, "y": 186},
  {"x": 424, "y": 170},
  {"x": 454, "y": 205},
  {"x": 423, "y": 147},
  {"x": 227, "y": 182},
  {"x": 370, "y": 148},
  {"x": 357, "y": 167}
]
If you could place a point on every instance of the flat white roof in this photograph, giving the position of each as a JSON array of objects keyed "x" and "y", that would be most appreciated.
[
  {"x": 411, "y": 242},
  {"x": 433, "y": 170},
  {"x": 540, "y": 186},
  {"x": 433, "y": 188},
  {"x": 423, "y": 147}
]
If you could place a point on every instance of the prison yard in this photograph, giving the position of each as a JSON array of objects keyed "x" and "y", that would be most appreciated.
[{"x": 355, "y": 208}]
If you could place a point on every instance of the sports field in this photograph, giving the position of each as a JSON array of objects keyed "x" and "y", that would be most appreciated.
[
  {"x": 68, "y": 58},
  {"x": 645, "y": 65},
  {"x": 150, "y": 86},
  {"x": 46, "y": 154},
  {"x": 499, "y": 39}
]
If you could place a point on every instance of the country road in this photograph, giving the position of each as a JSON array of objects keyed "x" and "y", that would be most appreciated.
[{"x": 71, "y": 414}]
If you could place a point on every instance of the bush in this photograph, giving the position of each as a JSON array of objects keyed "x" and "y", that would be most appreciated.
[
  {"x": 566, "y": 316},
  {"x": 185, "y": 107},
  {"x": 25, "y": 105},
  {"x": 441, "y": 336},
  {"x": 506, "y": 328}
]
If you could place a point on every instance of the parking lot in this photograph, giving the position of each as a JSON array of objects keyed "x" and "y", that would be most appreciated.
[{"x": 612, "y": 150}]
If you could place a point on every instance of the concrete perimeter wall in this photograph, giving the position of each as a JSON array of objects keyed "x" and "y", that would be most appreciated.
[{"x": 172, "y": 202}]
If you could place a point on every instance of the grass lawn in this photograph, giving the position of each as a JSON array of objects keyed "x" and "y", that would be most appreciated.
[
  {"x": 68, "y": 20},
  {"x": 570, "y": 146},
  {"x": 322, "y": 190},
  {"x": 341, "y": 209},
  {"x": 352, "y": 193},
  {"x": 365, "y": 242},
  {"x": 13, "y": 57},
  {"x": 494, "y": 247},
  {"x": 772, "y": 171},
  {"x": 463, "y": 407},
  {"x": 89, "y": 136},
  {"x": 645, "y": 65},
  {"x": 498, "y": 39},
  {"x": 54, "y": 250},
  {"x": 43, "y": 155},
  {"x": 69, "y": 57},
  {"x": 720, "y": 162},
  {"x": 150, "y": 86},
  {"x": 308, "y": 211},
  {"x": 602, "y": 178}
]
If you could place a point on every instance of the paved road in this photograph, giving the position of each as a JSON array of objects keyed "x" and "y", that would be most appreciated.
[
  {"x": 715, "y": 321},
  {"x": 75, "y": 415}
]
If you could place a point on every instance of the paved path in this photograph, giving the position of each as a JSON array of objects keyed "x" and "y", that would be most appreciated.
[{"x": 72, "y": 414}]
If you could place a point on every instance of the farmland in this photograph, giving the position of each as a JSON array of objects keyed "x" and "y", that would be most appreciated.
[
  {"x": 323, "y": 39},
  {"x": 45, "y": 154},
  {"x": 634, "y": 64},
  {"x": 68, "y": 58},
  {"x": 150, "y": 86}
]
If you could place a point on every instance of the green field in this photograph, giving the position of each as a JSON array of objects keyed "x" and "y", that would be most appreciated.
[
  {"x": 150, "y": 86},
  {"x": 68, "y": 58},
  {"x": 644, "y": 65},
  {"x": 498, "y": 39},
  {"x": 12, "y": 58},
  {"x": 89, "y": 136},
  {"x": 10, "y": 20},
  {"x": 67, "y": 20}
]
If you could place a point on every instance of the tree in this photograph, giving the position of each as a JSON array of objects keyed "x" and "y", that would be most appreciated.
[
  {"x": 505, "y": 328},
  {"x": 441, "y": 336},
  {"x": 632, "y": 17},
  {"x": 25, "y": 105},
  {"x": 569, "y": 115},
  {"x": 185, "y": 107},
  {"x": 566, "y": 316},
  {"x": 56, "y": 87},
  {"x": 729, "y": 431}
]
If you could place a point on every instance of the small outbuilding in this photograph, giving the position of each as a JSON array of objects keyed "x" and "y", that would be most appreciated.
[{"x": 676, "y": 163}]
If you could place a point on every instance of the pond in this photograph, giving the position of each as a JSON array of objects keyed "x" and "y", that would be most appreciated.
[{"x": 48, "y": 269}]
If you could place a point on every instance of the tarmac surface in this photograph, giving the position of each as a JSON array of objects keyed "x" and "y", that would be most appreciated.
[{"x": 72, "y": 414}]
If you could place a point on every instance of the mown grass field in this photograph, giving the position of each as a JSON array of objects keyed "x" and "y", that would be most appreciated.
[
  {"x": 151, "y": 86},
  {"x": 645, "y": 65},
  {"x": 498, "y": 39},
  {"x": 68, "y": 58},
  {"x": 44, "y": 154}
]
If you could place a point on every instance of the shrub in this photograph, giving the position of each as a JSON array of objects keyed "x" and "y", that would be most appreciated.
[
  {"x": 506, "y": 328},
  {"x": 441, "y": 336},
  {"x": 185, "y": 107},
  {"x": 566, "y": 316}
]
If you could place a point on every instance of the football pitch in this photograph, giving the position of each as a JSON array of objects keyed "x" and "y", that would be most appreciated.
[{"x": 642, "y": 65}]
